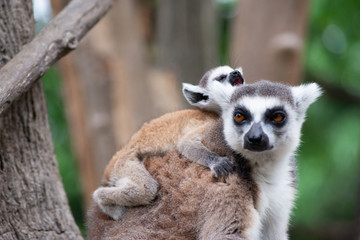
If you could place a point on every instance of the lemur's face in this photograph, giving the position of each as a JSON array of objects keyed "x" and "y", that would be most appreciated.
[
  {"x": 221, "y": 80},
  {"x": 266, "y": 117},
  {"x": 223, "y": 74},
  {"x": 258, "y": 124}
]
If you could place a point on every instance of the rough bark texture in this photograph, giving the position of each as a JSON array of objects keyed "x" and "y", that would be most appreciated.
[
  {"x": 268, "y": 38},
  {"x": 33, "y": 204}
]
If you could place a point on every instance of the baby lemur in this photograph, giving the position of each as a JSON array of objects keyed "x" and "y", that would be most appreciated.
[{"x": 127, "y": 182}]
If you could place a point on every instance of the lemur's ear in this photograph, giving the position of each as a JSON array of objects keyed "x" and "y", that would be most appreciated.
[
  {"x": 305, "y": 94},
  {"x": 195, "y": 95}
]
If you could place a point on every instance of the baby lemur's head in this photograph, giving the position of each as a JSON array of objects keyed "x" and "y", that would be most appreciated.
[
  {"x": 202, "y": 95},
  {"x": 264, "y": 119}
]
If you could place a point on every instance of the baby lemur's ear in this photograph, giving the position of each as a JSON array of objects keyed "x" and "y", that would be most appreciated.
[
  {"x": 304, "y": 95},
  {"x": 195, "y": 95}
]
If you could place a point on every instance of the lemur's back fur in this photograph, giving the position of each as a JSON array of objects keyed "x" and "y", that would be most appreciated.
[
  {"x": 191, "y": 203},
  {"x": 147, "y": 141}
]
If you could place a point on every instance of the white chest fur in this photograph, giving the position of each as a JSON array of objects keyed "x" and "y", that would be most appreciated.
[{"x": 276, "y": 198}]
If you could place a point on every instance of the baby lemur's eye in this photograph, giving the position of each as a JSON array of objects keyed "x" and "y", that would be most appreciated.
[
  {"x": 221, "y": 78},
  {"x": 238, "y": 117}
]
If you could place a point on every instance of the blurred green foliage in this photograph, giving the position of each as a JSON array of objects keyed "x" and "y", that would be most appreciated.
[
  {"x": 62, "y": 144},
  {"x": 329, "y": 158},
  {"x": 333, "y": 46}
]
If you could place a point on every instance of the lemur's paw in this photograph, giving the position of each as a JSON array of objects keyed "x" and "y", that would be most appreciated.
[
  {"x": 112, "y": 210},
  {"x": 116, "y": 212},
  {"x": 98, "y": 196},
  {"x": 222, "y": 167}
]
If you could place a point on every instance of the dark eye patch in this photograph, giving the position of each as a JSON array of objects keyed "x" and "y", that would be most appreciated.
[
  {"x": 276, "y": 116},
  {"x": 242, "y": 112},
  {"x": 221, "y": 78}
]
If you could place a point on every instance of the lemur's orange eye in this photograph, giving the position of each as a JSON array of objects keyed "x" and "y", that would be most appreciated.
[
  {"x": 239, "y": 117},
  {"x": 278, "y": 117}
]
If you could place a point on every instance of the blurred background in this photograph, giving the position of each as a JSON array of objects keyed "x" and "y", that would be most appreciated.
[{"x": 129, "y": 69}]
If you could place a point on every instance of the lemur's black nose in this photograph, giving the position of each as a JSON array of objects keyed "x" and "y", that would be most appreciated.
[
  {"x": 256, "y": 139},
  {"x": 235, "y": 73},
  {"x": 236, "y": 78}
]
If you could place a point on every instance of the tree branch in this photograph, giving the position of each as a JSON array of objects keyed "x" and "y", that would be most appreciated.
[{"x": 58, "y": 38}]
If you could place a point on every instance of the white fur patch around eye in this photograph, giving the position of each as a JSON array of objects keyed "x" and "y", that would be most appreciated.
[
  {"x": 219, "y": 71},
  {"x": 258, "y": 105},
  {"x": 231, "y": 135}
]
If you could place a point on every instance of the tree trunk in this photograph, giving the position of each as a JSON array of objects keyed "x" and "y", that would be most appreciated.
[
  {"x": 79, "y": 118},
  {"x": 187, "y": 38},
  {"x": 128, "y": 70},
  {"x": 33, "y": 203},
  {"x": 267, "y": 39}
]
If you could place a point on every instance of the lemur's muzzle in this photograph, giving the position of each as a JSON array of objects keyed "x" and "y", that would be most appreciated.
[
  {"x": 256, "y": 140},
  {"x": 235, "y": 78}
]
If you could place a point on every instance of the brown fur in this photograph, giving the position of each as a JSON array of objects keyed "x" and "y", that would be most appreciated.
[
  {"x": 159, "y": 136},
  {"x": 127, "y": 182},
  {"x": 191, "y": 203}
]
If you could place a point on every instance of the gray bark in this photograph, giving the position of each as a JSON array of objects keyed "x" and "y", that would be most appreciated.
[{"x": 33, "y": 204}]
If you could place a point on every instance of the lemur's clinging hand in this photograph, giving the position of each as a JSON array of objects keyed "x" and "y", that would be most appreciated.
[{"x": 127, "y": 182}]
